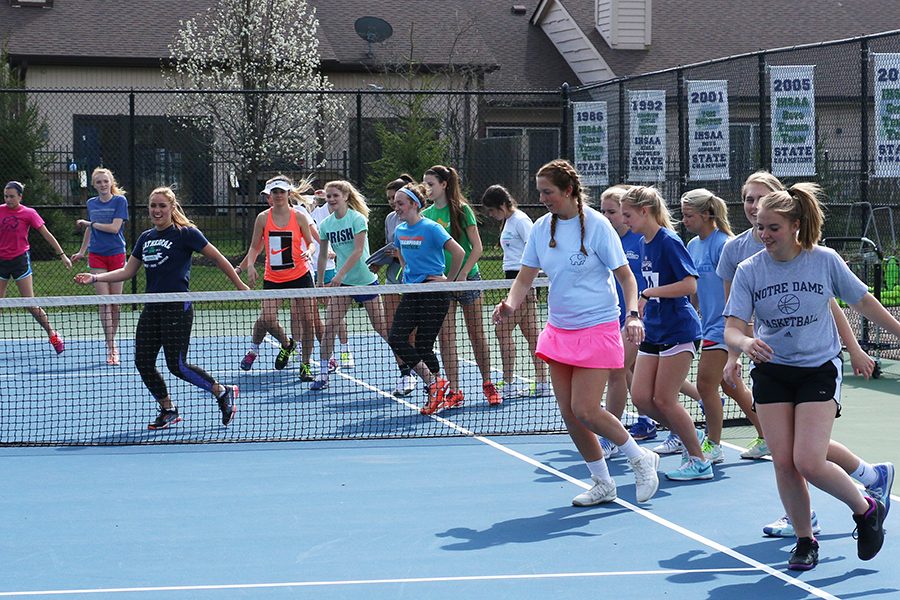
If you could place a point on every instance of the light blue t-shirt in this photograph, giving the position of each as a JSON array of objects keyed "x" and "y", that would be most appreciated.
[
  {"x": 791, "y": 301},
  {"x": 668, "y": 320},
  {"x": 340, "y": 234},
  {"x": 582, "y": 289},
  {"x": 737, "y": 249},
  {"x": 422, "y": 248},
  {"x": 710, "y": 288},
  {"x": 104, "y": 243}
]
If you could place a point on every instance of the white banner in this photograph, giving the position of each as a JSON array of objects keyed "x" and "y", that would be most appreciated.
[
  {"x": 591, "y": 143},
  {"x": 709, "y": 145},
  {"x": 647, "y": 130},
  {"x": 793, "y": 95},
  {"x": 887, "y": 115}
]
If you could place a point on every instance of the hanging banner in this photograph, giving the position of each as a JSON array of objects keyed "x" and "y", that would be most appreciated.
[
  {"x": 709, "y": 145},
  {"x": 793, "y": 96},
  {"x": 647, "y": 130},
  {"x": 887, "y": 115},
  {"x": 591, "y": 143}
]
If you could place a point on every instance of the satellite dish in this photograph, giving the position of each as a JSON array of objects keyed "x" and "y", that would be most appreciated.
[{"x": 373, "y": 29}]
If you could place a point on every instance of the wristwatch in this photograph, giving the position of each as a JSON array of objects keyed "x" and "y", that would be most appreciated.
[
  {"x": 644, "y": 296},
  {"x": 635, "y": 315}
]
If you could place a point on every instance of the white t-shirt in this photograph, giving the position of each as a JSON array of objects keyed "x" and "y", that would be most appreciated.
[
  {"x": 513, "y": 237},
  {"x": 319, "y": 214},
  {"x": 582, "y": 288}
]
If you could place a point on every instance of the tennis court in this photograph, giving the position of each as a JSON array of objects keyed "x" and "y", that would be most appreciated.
[{"x": 404, "y": 506}]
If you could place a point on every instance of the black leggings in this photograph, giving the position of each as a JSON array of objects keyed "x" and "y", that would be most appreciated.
[
  {"x": 424, "y": 312},
  {"x": 167, "y": 325}
]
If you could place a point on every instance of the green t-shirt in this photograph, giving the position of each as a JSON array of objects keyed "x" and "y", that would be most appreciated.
[
  {"x": 442, "y": 217},
  {"x": 340, "y": 234}
]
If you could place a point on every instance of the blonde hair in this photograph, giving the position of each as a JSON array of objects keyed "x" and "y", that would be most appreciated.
[
  {"x": 178, "y": 217},
  {"x": 615, "y": 193},
  {"x": 355, "y": 199},
  {"x": 649, "y": 197},
  {"x": 114, "y": 188},
  {"x": 704, "y": 201},
  {"x": 763, "y": 178},
  {"x": 800, "y": 202},
  {"x": 563, "y": 175}
]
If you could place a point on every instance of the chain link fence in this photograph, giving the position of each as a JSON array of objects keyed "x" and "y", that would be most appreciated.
[{"x": 153, "y": 137}]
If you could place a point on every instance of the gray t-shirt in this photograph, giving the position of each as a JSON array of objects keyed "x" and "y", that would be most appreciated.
[
  {"x": 791, "y": 302},
  {"x": 737, "y": 249}
]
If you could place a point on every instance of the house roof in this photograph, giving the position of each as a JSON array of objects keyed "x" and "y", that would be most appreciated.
[
  {"x": 687, "y": 32},
  {"x": 484, "y": 36}
]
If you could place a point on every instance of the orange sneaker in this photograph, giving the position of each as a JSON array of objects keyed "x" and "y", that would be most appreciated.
[
  {"x": 436, "y": 391},
  {"x": 491, "y": 393},
  {"x": 57, "y": 342},
  {"x": 451, "y": 399}
]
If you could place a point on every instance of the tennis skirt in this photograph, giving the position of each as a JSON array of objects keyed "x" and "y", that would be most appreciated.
[{"x": 597, "y": 347}]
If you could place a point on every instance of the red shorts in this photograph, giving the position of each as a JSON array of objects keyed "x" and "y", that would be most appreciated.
[{"x": 107, "y": 263}]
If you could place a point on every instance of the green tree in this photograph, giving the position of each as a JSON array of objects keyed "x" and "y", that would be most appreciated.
[
  {"x": 23, "y": 137},
  {"x": 409, "y": 144}
]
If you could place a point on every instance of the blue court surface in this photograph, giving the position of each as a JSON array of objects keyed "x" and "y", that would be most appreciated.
[{"x": 423, "y": 518}]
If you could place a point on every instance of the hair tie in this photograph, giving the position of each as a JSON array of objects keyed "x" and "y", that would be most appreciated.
[{"x": 412, "y": 195}]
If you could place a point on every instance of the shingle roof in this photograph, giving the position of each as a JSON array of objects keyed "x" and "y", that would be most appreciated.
[{"x": 685, "y": 32}]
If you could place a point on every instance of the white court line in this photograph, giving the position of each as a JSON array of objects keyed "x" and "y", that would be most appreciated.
[{"x": 348, "y": 582}]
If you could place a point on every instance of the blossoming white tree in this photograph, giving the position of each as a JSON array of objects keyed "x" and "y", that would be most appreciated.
[{"x": 268, "y": 53}]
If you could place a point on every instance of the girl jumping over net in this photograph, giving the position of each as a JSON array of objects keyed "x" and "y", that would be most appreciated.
[
  {"x": 423, "y": 244},
  {"x": 165, "y": 252},
  {"x": 346, "y": 232},
  {"x": 579, "y": 250}
]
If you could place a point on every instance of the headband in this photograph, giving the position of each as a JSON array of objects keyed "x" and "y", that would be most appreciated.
[
  {"x": 412, "y": 195},
  {"x": 16, "y": 186}
]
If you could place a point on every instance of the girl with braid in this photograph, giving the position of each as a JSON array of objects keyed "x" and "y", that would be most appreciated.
[
  {"x": 580, "y": 252},
  {"x": 673, "y": 327},
  {"x": 453, "y": 213}
]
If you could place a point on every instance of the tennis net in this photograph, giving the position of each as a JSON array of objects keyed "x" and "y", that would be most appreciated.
[{"x": 76, "y": 398}]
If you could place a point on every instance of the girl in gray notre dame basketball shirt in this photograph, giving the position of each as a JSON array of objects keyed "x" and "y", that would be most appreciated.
[{"x": 796, "y": 369}]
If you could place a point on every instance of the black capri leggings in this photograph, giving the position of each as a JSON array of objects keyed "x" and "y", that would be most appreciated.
[
  {"x": 424, "y": 312},
  {"x": 167, "y": 325}
]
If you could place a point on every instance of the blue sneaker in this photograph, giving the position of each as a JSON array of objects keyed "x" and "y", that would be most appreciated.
[
  {"x": 320, "y": 383},
  {"x": 881, "y": 489},
  {"x": 609, "y": 449},
  {"x": 785, "y": 529},
  {"x": 643, "y": 429},
  {"x": 671, "y": 445},
  {"x": 692, "y": 469}
]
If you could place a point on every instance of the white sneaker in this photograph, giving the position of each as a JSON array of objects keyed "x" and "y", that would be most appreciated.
[
  {"x": 672, "y": 445},
  {"x": 609, "y": 449},
  {"x": 347, "y": 360},
  {"x": 646, "y": 479},
  {"x": 542, "y": 390},
  {"x": 758, "y": 449},
  {"x": 516, "y": 389},
  {"x": 405, "y": 386},
  {"x": 713, "y": 451},
  {"x": 604, "y": 490}
]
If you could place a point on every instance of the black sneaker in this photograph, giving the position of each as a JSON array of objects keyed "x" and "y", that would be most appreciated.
[
  {"x": 284, "y": 354},
  {"x": 227, "y": 404},
  {"x": 805, "y": 555},
  {"x": 869, "y": 532},
  {"x": 306, "y": 373},
  {"x": 165, "y": 418}
]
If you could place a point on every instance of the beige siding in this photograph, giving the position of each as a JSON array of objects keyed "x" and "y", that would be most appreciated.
[
  {"x": 574, "y": 46},
  {"x": 624, "y": 24}
]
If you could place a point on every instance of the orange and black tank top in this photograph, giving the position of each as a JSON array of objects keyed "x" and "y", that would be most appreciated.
[{"x": 284, "y": 247}]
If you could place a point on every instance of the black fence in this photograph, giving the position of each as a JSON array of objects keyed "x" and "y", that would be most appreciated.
[{"x": 217, "y": 165}]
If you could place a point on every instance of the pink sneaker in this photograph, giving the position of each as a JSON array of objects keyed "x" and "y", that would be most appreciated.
[{"x": 57, "y": 342}]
